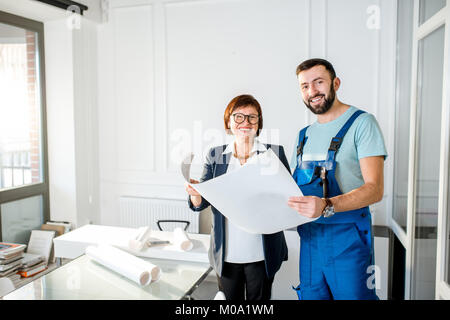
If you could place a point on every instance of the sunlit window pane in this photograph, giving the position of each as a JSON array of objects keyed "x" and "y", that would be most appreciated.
[{"x": 20, "y": 127}]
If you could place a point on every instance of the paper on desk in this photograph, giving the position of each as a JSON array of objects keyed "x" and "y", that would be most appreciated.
[
  {"x": 255, "y": 196},
  {"x": 127, "y": 265},
  {"x": 181, "y": 240}
]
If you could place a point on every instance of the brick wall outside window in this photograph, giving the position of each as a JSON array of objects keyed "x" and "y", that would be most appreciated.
[{"x": 33, "y": 102}]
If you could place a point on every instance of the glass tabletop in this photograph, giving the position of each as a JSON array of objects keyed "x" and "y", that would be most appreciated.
[{"x": 85, "y": 279}]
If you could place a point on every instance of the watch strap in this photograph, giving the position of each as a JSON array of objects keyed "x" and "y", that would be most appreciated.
[
  {"x": 329, "y": 203},
  {"x": 328, "y": 211}
]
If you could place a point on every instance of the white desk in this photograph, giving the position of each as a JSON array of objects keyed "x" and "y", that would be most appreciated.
[
  {"x": 73, "y": 244},
  {"x": 84, "y": 279}
]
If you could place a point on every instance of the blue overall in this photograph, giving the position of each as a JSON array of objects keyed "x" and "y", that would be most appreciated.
[{"x": 336, "y": 252}]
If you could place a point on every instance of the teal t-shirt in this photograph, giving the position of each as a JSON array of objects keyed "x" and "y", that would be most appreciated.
[{"x": 363, "y": 139}]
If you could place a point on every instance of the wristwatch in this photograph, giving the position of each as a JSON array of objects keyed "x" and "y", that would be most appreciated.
[{"x": 328, "y": 211}]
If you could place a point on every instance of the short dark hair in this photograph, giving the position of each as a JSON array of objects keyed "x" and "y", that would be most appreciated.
[
  {"x": 243, "y": 101},
  {"x": 308, "y": 64}
]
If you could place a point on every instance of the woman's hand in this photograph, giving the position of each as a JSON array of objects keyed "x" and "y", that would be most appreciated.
[
  {"x": 196, "y": 198},
  {"x": 191, "y": 191},
  {"x": 308, "y": 206}
]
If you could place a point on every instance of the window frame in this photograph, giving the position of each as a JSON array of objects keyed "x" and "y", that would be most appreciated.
[{"x": 41, "y": 188}]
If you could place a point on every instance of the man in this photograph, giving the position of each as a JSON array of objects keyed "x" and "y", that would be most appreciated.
[{"x": 339, "y": 168}]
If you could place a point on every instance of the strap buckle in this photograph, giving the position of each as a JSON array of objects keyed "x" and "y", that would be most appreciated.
[
  {"x": 335, "y": 144},
  {"x": 300, "y": 148}
]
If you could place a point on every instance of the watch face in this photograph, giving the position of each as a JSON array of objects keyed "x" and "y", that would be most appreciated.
[{"x": 329, "y": 211}]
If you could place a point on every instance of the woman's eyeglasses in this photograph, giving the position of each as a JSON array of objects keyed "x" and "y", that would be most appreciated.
[{"x": 240, "y": 117}]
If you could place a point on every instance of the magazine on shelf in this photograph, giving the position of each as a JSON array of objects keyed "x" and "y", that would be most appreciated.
[
  {"x": 9, "y": 271},
  {"x": 9, "y": 249},
  {"x": 31, "y": 259},
  {"x": 18, "y": 256},
  {"x": 29, "y": 272},
  {"x": 4, "y": 267}
]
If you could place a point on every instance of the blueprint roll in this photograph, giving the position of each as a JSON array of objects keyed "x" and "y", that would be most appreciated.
[
  {"x": 181, "y": 240},
  {"x": 123, "y": 263},
  {"x": 155, "y": 271}
]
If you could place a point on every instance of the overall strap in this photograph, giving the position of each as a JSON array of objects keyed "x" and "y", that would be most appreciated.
[
  {"x": 302, "y": 138},
  {"x": 337, "y": 140}
]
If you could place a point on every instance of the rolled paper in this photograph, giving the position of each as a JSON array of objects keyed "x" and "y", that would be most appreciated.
[
  {"x": 125, "y": 264},
  {"x": 155, "y": 271},
  {"x": 140, "y": 239},
  {"x": 181, "y": 240},
  {"x": 135, "y": 245}
]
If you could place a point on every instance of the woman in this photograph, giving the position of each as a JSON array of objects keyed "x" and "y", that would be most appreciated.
[{"x": 245, "y": 263}]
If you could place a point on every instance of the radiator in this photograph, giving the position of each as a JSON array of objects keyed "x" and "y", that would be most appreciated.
[{"x": 138, "y": 212}]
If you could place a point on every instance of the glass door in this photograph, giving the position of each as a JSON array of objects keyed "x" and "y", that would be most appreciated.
[
  {"x": 443, "y": 232},
  {"x": 428, "y": 152}
]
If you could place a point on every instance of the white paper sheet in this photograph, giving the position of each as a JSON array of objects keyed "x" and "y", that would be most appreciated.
[
  {"x": 181, "y": 240},
  {"x": 127, "y": 265},
  {"x": 41, "y": 242},
  {"x": 255, "y": 196}
]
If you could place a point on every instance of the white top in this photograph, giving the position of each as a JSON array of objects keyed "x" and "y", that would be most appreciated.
[{"x": 242, "y": 246}]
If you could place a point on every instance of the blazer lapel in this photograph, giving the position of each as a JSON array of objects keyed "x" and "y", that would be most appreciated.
[{"x": 222, "y": 166}]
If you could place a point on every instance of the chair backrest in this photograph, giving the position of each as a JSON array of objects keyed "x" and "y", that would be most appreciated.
[
  {"x": 171, "y": 220},
  {"x": 6, "y": 286}
]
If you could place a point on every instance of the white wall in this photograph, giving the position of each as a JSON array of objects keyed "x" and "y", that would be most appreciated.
[
  {"x": 86, "y": 123},
  {"x": 72, "y": 122},
  {"x": 167, "y": 70},
  {"x": 60, "y": 121}
]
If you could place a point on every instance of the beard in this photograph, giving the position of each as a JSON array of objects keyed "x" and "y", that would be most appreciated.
[{"x": 326, "y": 104}]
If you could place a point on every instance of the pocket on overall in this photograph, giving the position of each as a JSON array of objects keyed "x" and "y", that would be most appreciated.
[
  {"x": 308, "y": 179},
  {"x": 305, "y": 176},
  {"x": 308, "y": 171}
]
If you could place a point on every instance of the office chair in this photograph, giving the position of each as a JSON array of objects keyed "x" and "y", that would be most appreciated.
[{"x": 164, "y": 221}]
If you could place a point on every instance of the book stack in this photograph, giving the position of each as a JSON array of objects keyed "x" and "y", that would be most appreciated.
[
  {"x": 32, "y": 264},
  {"x": 11, "y": 257}
]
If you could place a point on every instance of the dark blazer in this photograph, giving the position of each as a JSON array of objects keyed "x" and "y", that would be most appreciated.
[{"x": 274, "y": 245}]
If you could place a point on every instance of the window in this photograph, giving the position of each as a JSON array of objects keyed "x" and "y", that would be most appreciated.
[
  {"x": 24, "y": 203},
  {"x": 428, "y": 8}
]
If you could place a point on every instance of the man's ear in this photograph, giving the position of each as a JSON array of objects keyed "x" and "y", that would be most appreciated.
[{"x": 336, "y": 83}]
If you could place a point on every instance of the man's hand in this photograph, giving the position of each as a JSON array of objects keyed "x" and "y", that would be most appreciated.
[{"x": 308, "y": 206}]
